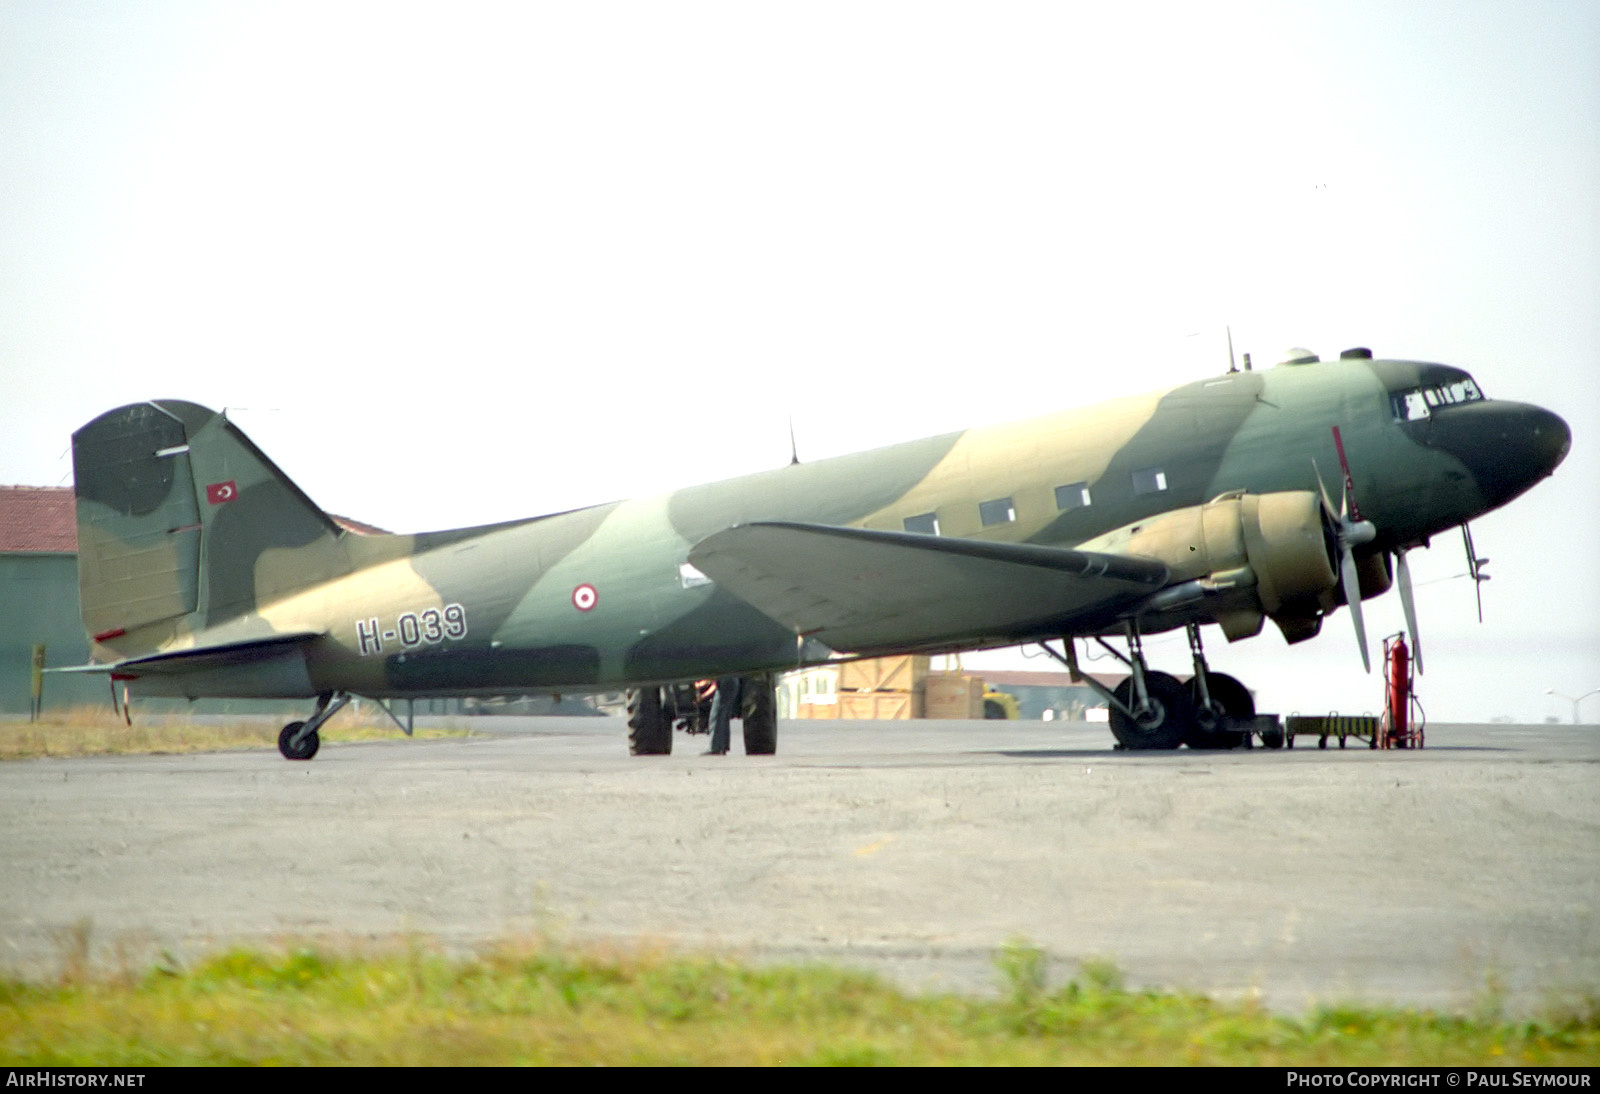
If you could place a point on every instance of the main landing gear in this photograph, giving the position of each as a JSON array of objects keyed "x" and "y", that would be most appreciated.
[
  {"x": 299, "y": 740},
  {"x": 1220, "y": 701},
  {"x": 1153, "y": 710},
  {"x": 654, "y": 711}
]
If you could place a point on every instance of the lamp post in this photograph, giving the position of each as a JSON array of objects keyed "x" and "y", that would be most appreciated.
[{"x": 1570, "y": 699}]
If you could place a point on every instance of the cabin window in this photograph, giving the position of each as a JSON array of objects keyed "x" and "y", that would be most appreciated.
[
  {"x": 1074, "y": 495},
  {"x": 925, "y": 523},
  {"x": 998, "y": 511},
  {"x": 1150, "y": 480}
]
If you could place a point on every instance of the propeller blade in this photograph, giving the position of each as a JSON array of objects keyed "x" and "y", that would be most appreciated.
[
  {"x": 1322, "y": 488},
  {"x": 1349, "y": 483},
  {"x": 1473, "y": 565},
  {"x": 1352, "y": 597},
  {"x": 1352, "y": 531},
  {"x": 1402, "y": 578}
]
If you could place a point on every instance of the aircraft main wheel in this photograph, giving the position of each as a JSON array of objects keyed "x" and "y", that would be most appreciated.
[
  {"x": 760, "y": 716},
  {"x": 307, "y": 747},
  {"x": 1164, "y": 724},
  {"x": 1229, "y": 699},
  {"x": 649, "y": 727}
]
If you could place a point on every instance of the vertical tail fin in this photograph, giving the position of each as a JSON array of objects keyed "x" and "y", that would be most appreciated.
[{"x": 179, "y": 515}]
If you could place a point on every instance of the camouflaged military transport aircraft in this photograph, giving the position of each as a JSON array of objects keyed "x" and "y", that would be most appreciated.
[{"x": 205, "y": 572}]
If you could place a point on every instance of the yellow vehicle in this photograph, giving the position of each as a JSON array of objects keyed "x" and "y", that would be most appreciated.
[{"x": 997, "y": 704}]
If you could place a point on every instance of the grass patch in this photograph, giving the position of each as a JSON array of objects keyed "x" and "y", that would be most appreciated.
[
  {"x": 95, "y": 731},
  {"x": 534, "y": 1002}
]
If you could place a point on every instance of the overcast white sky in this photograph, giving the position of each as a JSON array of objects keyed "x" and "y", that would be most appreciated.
[{"x": 450, "y": 264}]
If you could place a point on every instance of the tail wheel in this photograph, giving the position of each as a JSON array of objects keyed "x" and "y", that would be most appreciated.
[
  {"x": 1161, "y": 725},
  {"x": 760, "y": 716},
  {"x": 649, "y": 727},
  {"x": 307, "y": 747},
  {"x": 1229, "y": 699}
]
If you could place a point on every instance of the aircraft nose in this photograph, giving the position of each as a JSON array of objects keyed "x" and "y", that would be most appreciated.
[{"x": 1507, "y": 446}]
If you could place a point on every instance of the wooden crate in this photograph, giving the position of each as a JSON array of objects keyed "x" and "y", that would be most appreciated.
[
  {"x": 952, "y": 696},
  {"x": 818, "y": 707},
  {"x": 883, "y": 673},
  {"x": 891, "y": 705}
]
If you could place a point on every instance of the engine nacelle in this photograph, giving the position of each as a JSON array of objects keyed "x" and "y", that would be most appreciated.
[{"x": 1274, "y": 552}]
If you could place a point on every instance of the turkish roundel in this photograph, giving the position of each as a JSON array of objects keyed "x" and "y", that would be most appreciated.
[{"x": 219, "y": 492}]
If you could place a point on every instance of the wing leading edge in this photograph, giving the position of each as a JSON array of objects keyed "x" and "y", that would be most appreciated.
[{"x": 866, "y": 591}]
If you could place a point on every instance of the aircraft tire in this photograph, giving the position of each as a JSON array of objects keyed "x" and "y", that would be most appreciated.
[
  {"x": 760, "y": 716},
  {"x": 305, "y": 749},
  {"x": 649, "y": 727},
  {"x": 1165, "y": 726},
  {"x": 1236, "y": 702}
]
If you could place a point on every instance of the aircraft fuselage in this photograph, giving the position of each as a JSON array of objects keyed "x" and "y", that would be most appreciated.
[{"x": 604, "y": 597}]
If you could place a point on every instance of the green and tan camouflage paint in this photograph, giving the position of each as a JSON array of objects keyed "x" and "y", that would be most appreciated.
[{"x": 205, "y": 571}]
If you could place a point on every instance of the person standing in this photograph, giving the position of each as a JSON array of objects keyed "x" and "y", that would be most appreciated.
[{"x": 724, "y": 706}]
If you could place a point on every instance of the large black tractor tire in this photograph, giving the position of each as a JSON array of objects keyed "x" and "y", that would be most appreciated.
[
  {"x": 306, "y": 749},
  {"x": 760, "y": 716},
  {"x": 1167, "y": 722},
  {"x": 1208, "y": 730},
  {"x": 649, "y": 727}
]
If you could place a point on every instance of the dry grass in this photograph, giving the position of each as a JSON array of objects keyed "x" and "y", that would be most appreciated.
[{"x": 95, "y": 731}]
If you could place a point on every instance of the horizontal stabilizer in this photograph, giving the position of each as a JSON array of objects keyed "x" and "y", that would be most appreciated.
[
  {"x": 863, "y": 591},
  {"x": 267, "y": 667},
  {"x": 213, "y": 656}
]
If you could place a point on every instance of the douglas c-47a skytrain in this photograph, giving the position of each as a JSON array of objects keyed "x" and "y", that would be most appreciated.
[{"x": 1279, "y": 494}]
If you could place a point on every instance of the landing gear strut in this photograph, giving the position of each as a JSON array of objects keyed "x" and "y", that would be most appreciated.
[
  {"x": 299, "y": 740},
  {"x": 1152, "y": 710},
  {"x": 1216, "y": 697},
  {"x": 1149, "y": 710}
]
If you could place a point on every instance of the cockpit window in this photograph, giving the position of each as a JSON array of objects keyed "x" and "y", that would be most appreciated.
[
  {"x": 1462, "y": 391},
  {"x": 1409, "y": 406},
  {"x": 1418, "y": 403}
]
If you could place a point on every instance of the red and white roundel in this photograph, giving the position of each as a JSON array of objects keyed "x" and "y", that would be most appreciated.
[{"x": 584, "y": 598}]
